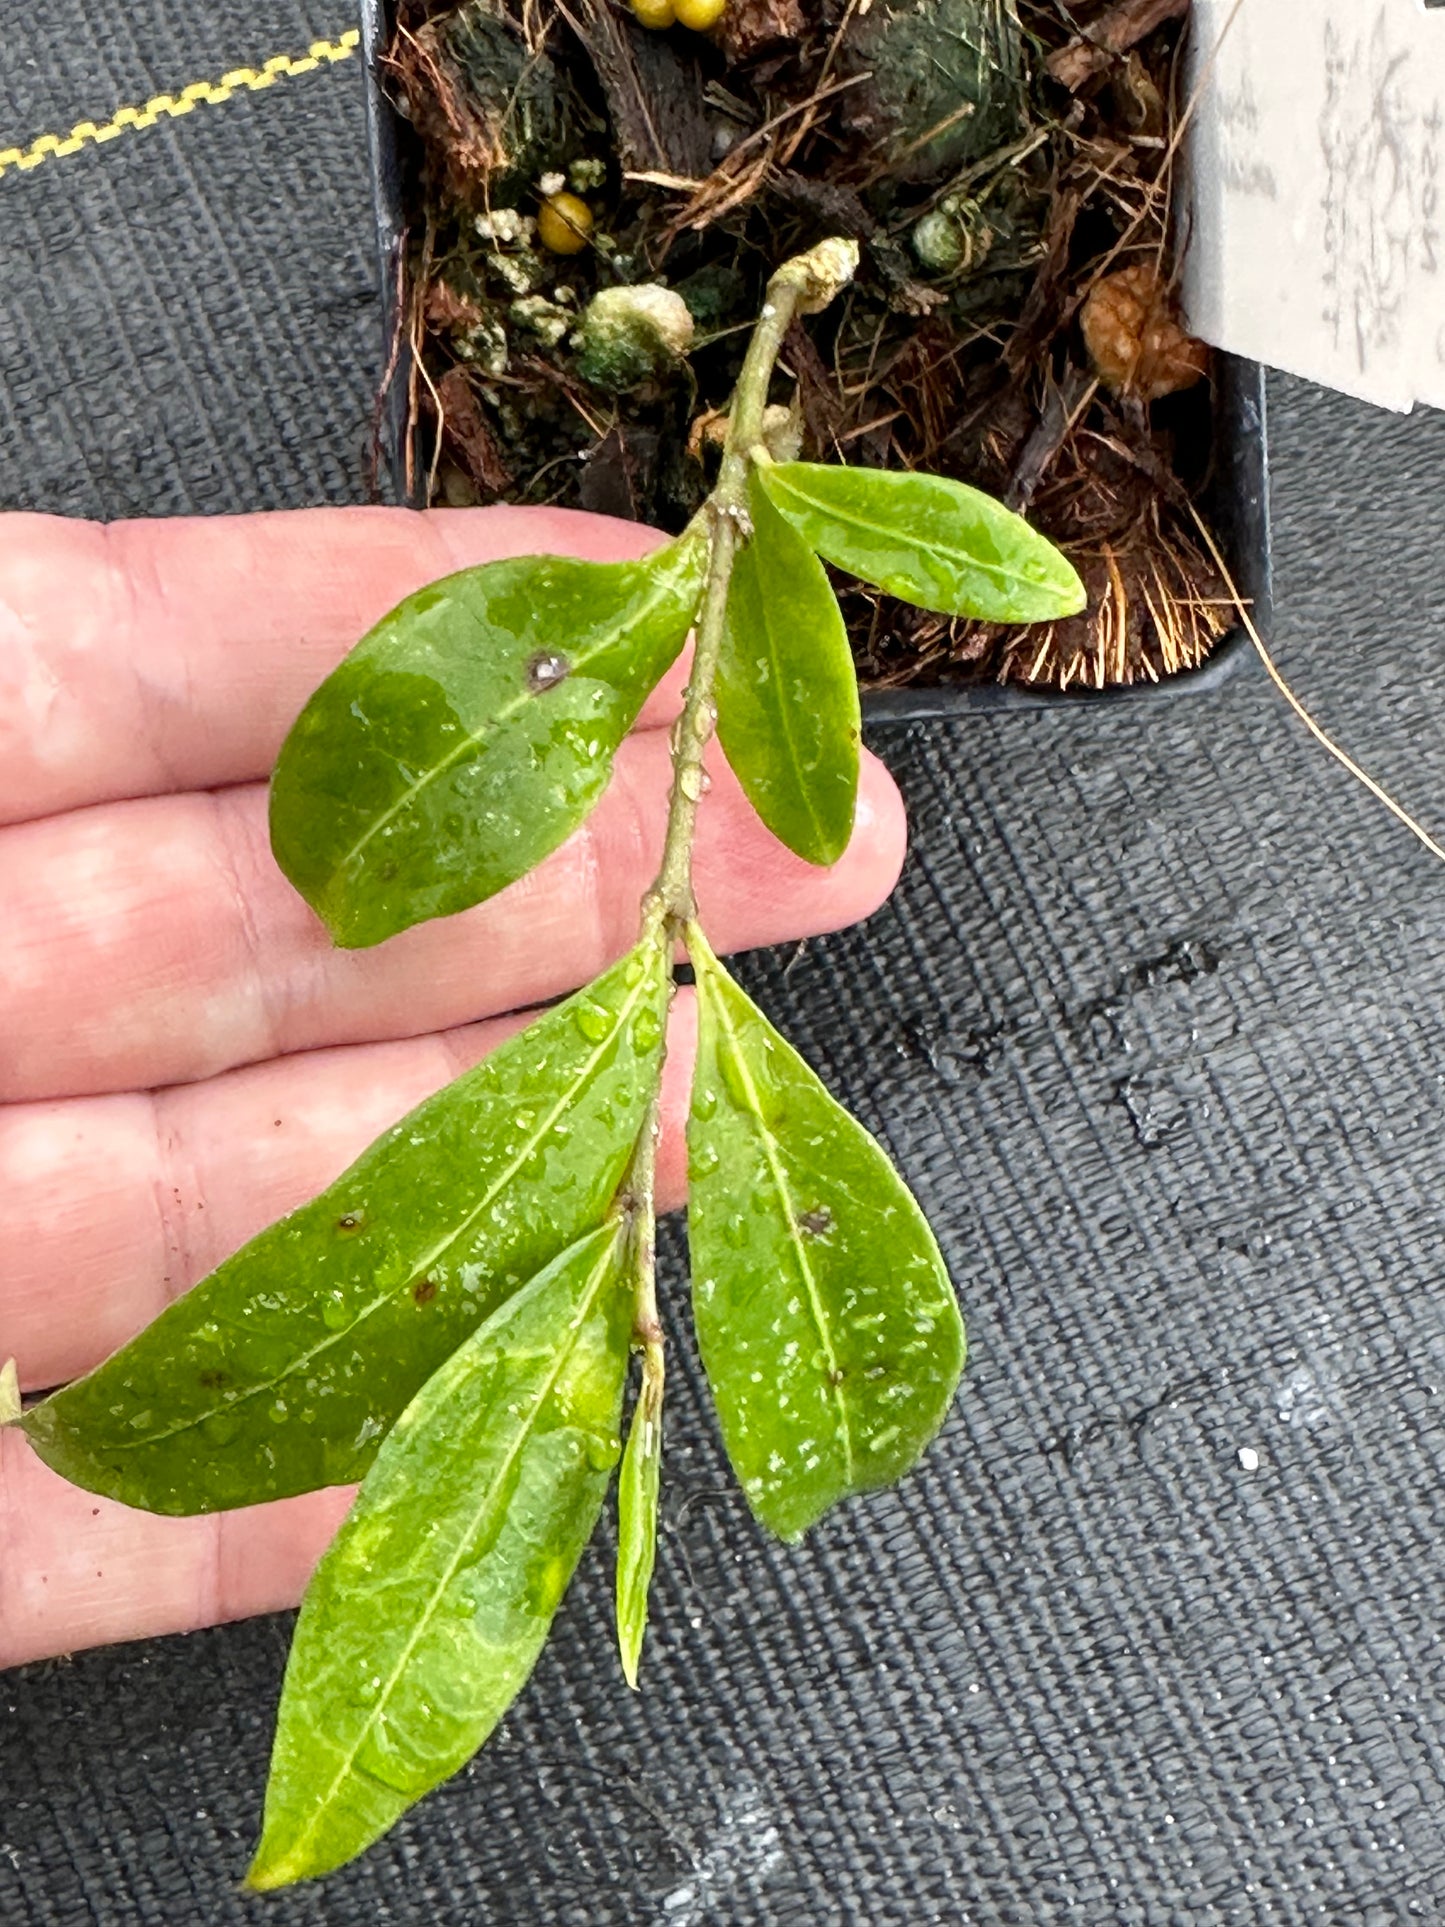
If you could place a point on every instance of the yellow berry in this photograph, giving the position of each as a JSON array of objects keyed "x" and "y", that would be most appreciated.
[
  {"x": 564, "y": 224},
  {"x": 655, "y": 14},
  {"x": 699, "y": 14}
]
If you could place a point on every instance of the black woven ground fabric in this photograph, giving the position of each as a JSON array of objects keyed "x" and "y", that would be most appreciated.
[
  {"x": 1154, "y": 1025},
  {"x": 188, "y": 314}
]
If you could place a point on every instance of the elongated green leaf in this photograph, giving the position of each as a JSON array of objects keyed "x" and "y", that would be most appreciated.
[
  {"x": 470, "y": 732},
  {"x": 787, "y": 694},
  {"x": 282, "y": 1370},
  {"x": 927, "y": 540},
  {"x": 10, "y": 1406},
  {"x": 427, "y": 1613},
  {"x": 824, "y": 1314},
  {"x": 638, "y": 1486}
]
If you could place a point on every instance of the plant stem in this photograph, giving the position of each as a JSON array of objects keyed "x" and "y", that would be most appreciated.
[
  {"x": 639, "y": 1194},
  {"x": 806, "y": 283}
]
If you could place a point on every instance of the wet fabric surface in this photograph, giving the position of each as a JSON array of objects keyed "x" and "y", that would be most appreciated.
[{"x": 1153, "y": 1025}]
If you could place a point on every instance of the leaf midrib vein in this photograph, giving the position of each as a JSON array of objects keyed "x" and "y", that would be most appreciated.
[
  {"x": 785, "y": 1198},
  {"x": 464, "y": 1539},
  {"x": 474, "y": 739},
  {"x": 421, "y": 1265},
  {"x": 1002, "y": 574},
  {"x": 783, "y": 712}
]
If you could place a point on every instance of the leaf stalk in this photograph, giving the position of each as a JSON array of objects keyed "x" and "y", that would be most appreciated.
[{"x": 803, "y": 285}]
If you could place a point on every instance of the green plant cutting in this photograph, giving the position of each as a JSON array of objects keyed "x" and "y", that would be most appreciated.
[{"x": 452, "y": 1323}]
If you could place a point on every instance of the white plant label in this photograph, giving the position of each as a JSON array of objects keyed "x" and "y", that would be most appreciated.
[{"x": 1316, "y": 224}]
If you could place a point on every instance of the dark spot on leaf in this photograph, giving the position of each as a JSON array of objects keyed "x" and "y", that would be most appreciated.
[
  {"x": 815, "y": 1224},
  {"x": 213, "y": 1380},
  {"x": 424, "y": 1291},
  {"x": 836, "y": 1376},
  {"x": 350, "y": 1221},
  {"x": 546, "y": 668}
]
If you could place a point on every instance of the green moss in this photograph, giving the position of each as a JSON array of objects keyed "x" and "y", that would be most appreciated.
[
  {"x": 519, "y": 98},
  {"x": 948, "y": 81},
  {"x": 630, "y": 335}
]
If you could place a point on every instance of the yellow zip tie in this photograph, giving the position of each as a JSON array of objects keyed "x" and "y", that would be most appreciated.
[{"x": 208, "y": 93}]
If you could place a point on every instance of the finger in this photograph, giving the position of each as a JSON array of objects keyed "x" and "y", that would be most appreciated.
[
  {"x": 155, "y": 942},
  {"x": 110, "y": 1207},
  {"x": 80, "y": 1570},
  {"x": 149, "y": 657}
]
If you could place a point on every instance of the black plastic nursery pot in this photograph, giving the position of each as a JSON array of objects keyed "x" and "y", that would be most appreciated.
[
  {"x": 1235, "y": 503},
  {"x": 1236, "y": 507}
]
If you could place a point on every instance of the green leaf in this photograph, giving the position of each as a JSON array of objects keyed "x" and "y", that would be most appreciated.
[
  {"x": 470, "y": 733},
  {"x": 10, "y": 1404},
  {"x": 927, "y": 540},
  {"x": 787, "y": 694},
  {"x": 824, "y": 1314},
  {"x": 637, "y": 1502},
  {"x": 426, "y": 1614},
  {"x": 282, "y": 1370}
]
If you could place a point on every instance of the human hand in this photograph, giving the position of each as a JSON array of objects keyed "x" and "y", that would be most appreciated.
[{"x": 183, "y": 1055}]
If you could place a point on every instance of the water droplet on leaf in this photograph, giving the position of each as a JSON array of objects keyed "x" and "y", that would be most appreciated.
[
  {"x": 734, "y": 1074},
  {"x": 545, "y": 669},
  {"x": 593, "y": 1022},
  {"x": 646, "y": 1029},
  {"x": 220, "y": 1428}
]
